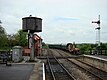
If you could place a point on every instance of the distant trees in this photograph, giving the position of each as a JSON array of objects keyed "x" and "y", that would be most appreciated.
[
  {"x": 104, "y": 46},
  {"x": 85, "y": 48},
  {"x": 7, "y": 41},
  {"x": 3, "y": 37},
  {"x": 20, "y": 37},
  {"x": 45, "y": 46}
]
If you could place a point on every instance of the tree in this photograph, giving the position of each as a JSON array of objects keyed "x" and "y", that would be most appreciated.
[
  {"x": 11, "y": 40},
  {"x": 85, "y": 48},
  {"x": 20, "y": 37},
  {"x": 3, "y": 37}
]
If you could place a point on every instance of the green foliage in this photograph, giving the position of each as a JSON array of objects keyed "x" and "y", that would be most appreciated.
[
  {"x": 2, "y": 30},
  {"x": 85, "y": 48},
  {"x": 3, "y": 37},
  {"x": 21, "y": 38},
  {"x": 7, "y": 41},
  {"x": 11, "y": 40},
  {"x": 103, "y": 46},
  {"x": 45, "y": 46}
]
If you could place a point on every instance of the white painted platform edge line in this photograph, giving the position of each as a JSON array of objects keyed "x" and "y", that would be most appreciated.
[
  {"x": 43, "y": 72},
  {"x": 96, "y": 57}
]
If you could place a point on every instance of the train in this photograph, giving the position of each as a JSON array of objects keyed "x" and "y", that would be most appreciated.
[
  {"x": 73, "y": 49},
  {"x": 69, "y": 47}
]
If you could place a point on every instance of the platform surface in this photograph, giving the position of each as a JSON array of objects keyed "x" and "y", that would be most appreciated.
[
  {"x": 21, "y": 71},
  {"x": 16, "y": 71}
]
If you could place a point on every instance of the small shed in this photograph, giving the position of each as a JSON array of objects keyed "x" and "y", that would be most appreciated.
[{"x": 17, "y": 53}]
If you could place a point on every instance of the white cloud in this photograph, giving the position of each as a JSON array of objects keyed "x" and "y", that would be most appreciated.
[{"x": 63, "y": 20}]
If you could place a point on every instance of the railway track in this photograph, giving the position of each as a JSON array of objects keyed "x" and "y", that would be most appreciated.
[
  {"x": 56, "y": 71},
  {"x": 102, "y": 75},
  {"x": 97, "y": 73}
]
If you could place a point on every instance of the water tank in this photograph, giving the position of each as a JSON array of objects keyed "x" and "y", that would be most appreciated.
[{"x": 33, "y": 24}]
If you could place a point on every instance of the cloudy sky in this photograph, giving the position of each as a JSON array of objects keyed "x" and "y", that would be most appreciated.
[{"x": 63, "y": 20}]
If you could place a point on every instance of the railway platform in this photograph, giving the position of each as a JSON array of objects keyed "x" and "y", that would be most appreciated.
[
  {"x": 98, "y": 57},
  {"x": 103, "y": 57},
  {"x": 99, "y": 61},
  {"x": 22, "y": 71}
]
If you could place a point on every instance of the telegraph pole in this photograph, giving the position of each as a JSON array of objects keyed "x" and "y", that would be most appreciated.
[{"x": 98, "y": 28}]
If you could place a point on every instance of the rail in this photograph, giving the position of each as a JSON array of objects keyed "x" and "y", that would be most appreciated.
[
  {"x": 53, "y": 64},
  {"x": 101, "y": 75},
  {"x": 53, "y": 76}
]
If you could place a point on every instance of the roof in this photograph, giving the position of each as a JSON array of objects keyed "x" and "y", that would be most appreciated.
[
  {"x": 36, "y": 37},
  {"x": 17, "y": 47}
]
